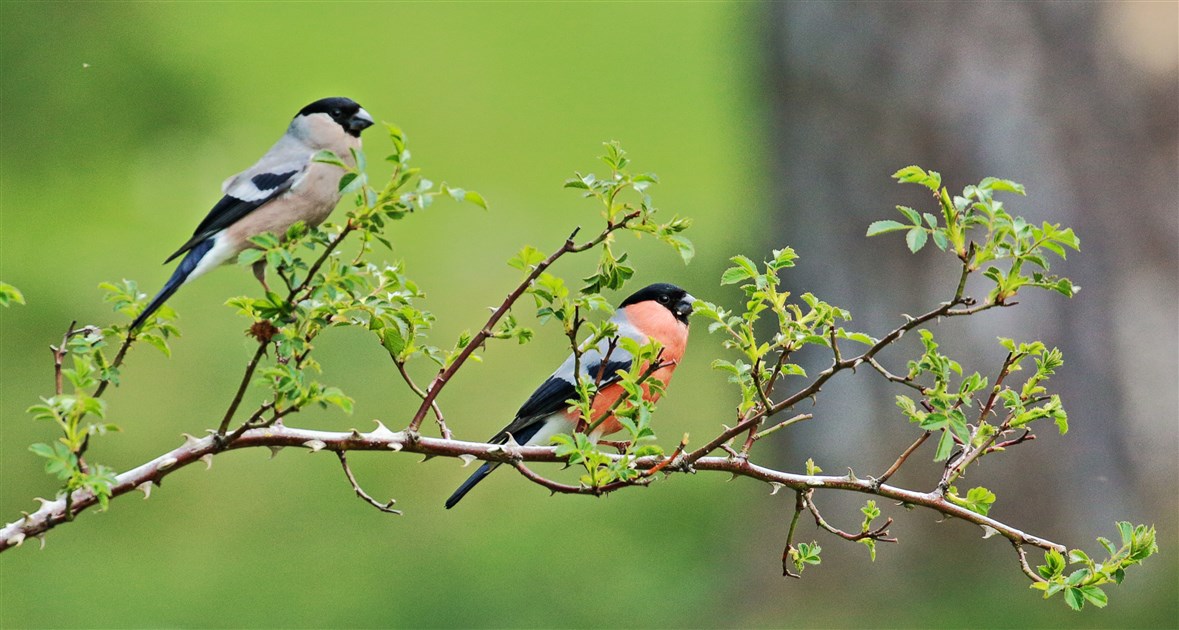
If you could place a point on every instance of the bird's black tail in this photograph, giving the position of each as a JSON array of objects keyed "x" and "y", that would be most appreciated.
[
  {"x": 475, "y": 478},
  {"x": 183, "y": 270}
]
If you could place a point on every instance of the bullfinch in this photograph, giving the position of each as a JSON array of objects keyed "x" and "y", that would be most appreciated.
[
  {"x": 658, "y": 312},
  {"x": 283, "y": 187}
]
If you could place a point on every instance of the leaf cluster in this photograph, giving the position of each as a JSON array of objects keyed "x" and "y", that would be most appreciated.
[
  {"x": 1083, "y": 585},
  {"x": 980, "y": 231},
  {"x": 797, "y": 325}
]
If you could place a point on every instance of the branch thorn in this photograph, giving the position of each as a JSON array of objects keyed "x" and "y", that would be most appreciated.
[
  {"x": 381, "y": 432},
  {"x": 314, "y": 445}
]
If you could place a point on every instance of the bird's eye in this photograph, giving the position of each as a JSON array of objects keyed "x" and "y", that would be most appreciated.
[
  {"x": 663, "y": 299},
  {"x": 336, "y": 113}
]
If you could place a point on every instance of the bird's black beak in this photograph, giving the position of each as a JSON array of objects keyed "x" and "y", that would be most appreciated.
[
  {"x": 359, "y": 122},
  {"x": 684, "y": 308}
]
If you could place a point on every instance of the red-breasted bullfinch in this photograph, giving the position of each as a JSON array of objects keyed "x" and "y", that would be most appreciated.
[
  {"x": 283, "y": 187},
  {"x": 658, "y": 312}
]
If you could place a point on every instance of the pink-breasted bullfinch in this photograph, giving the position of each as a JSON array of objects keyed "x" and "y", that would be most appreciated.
[
  {"x": 658, "y": 312},
  {"x": 283, "y": 187}
]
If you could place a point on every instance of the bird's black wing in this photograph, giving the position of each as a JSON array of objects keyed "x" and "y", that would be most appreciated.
[
  {"x": 552, "y": 396},
  {"x": 241, "y": 198}
]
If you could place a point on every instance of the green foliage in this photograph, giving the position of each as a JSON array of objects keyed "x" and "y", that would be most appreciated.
[
  {"x": 10, "y": 295},
  {"x": 1004, "y": 238},
  {"x": 78, "y": 415},
  {"x": 813, "y": 322},
  {"x": 804, "y": 554},
  {"x": 871, "y": 513},
  {"x": 977, "y": 500},
  {"x": 1083, "y": 585},
  {"x": 637, "y": 212},
  {"x": 601, "y": 470}
]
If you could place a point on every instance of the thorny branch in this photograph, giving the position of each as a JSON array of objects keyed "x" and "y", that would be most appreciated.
[
  {"x": 53, "y": 513},
  {"x": 259, "y": 431}
]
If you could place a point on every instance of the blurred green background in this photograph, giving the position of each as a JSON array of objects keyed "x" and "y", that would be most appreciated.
[{"x": 119, "y": 122}]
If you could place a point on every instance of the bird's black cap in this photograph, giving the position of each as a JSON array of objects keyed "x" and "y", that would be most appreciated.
[
  {"x": 345, "y": 111},
  {"x": 668, "y": 295}
]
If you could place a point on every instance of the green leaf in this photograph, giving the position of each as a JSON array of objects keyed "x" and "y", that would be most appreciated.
[
  {"x": 917, "y": 175},
  {"x": 1094, "y": 596},
  {"x": 857, "y": 337},
  {"x": 939, "y": 239},
  {"x": 475, "y": 198},
  {"x": 945, "y": 446},
  {"x": 880, "y": 227},
  {"x": 328, "y": 157},
  {"x": 10, "y": 295},
  {"x": 980, "y": 500},
  {"x": 347, "y": 180},
  {"x": 526, "y": 258},
  {"x": 912, "y": 215},
  {"x": 994, "y": 183},
  {"x": 1074, "y": 598},
  {"x": 42, "y": 450},
  {"x": 916, "y": 239},
  {"x": 743, "y": 271}
]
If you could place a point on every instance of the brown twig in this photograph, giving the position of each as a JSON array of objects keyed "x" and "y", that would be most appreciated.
[
  {"x": 799, "y": 506},
  {"x": 1023, "y": 562},
  {"x": 1027, "y": 436},
  {"x": 679, "y": 450},
  {"x": 59, "y": 353},
  {"x": 241, "y": 388},
  {"x": 557, "y": 487},
  {"x": 442, "y": 428},
  {"x": 119, "y": 356},
  {"x": 446, "y": 374},
  {"x": 384, "y": 507},
  {"x": 880, "y": 533},
  {"x": 903, "y": 458},
  {"x": 783, "y": 424},
  {"x": 903, "y": 380}
]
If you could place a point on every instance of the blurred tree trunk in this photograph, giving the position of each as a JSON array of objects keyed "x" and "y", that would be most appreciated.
[{"x": 1077, "y": 102}]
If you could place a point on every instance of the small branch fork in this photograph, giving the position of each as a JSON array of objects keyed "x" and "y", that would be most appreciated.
[
  {"x": 384, "y": 507},
  {"x": 53, "y": 513},
  {"x": 568, "y": 247},
  {"x": 880, "y": 533}
]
